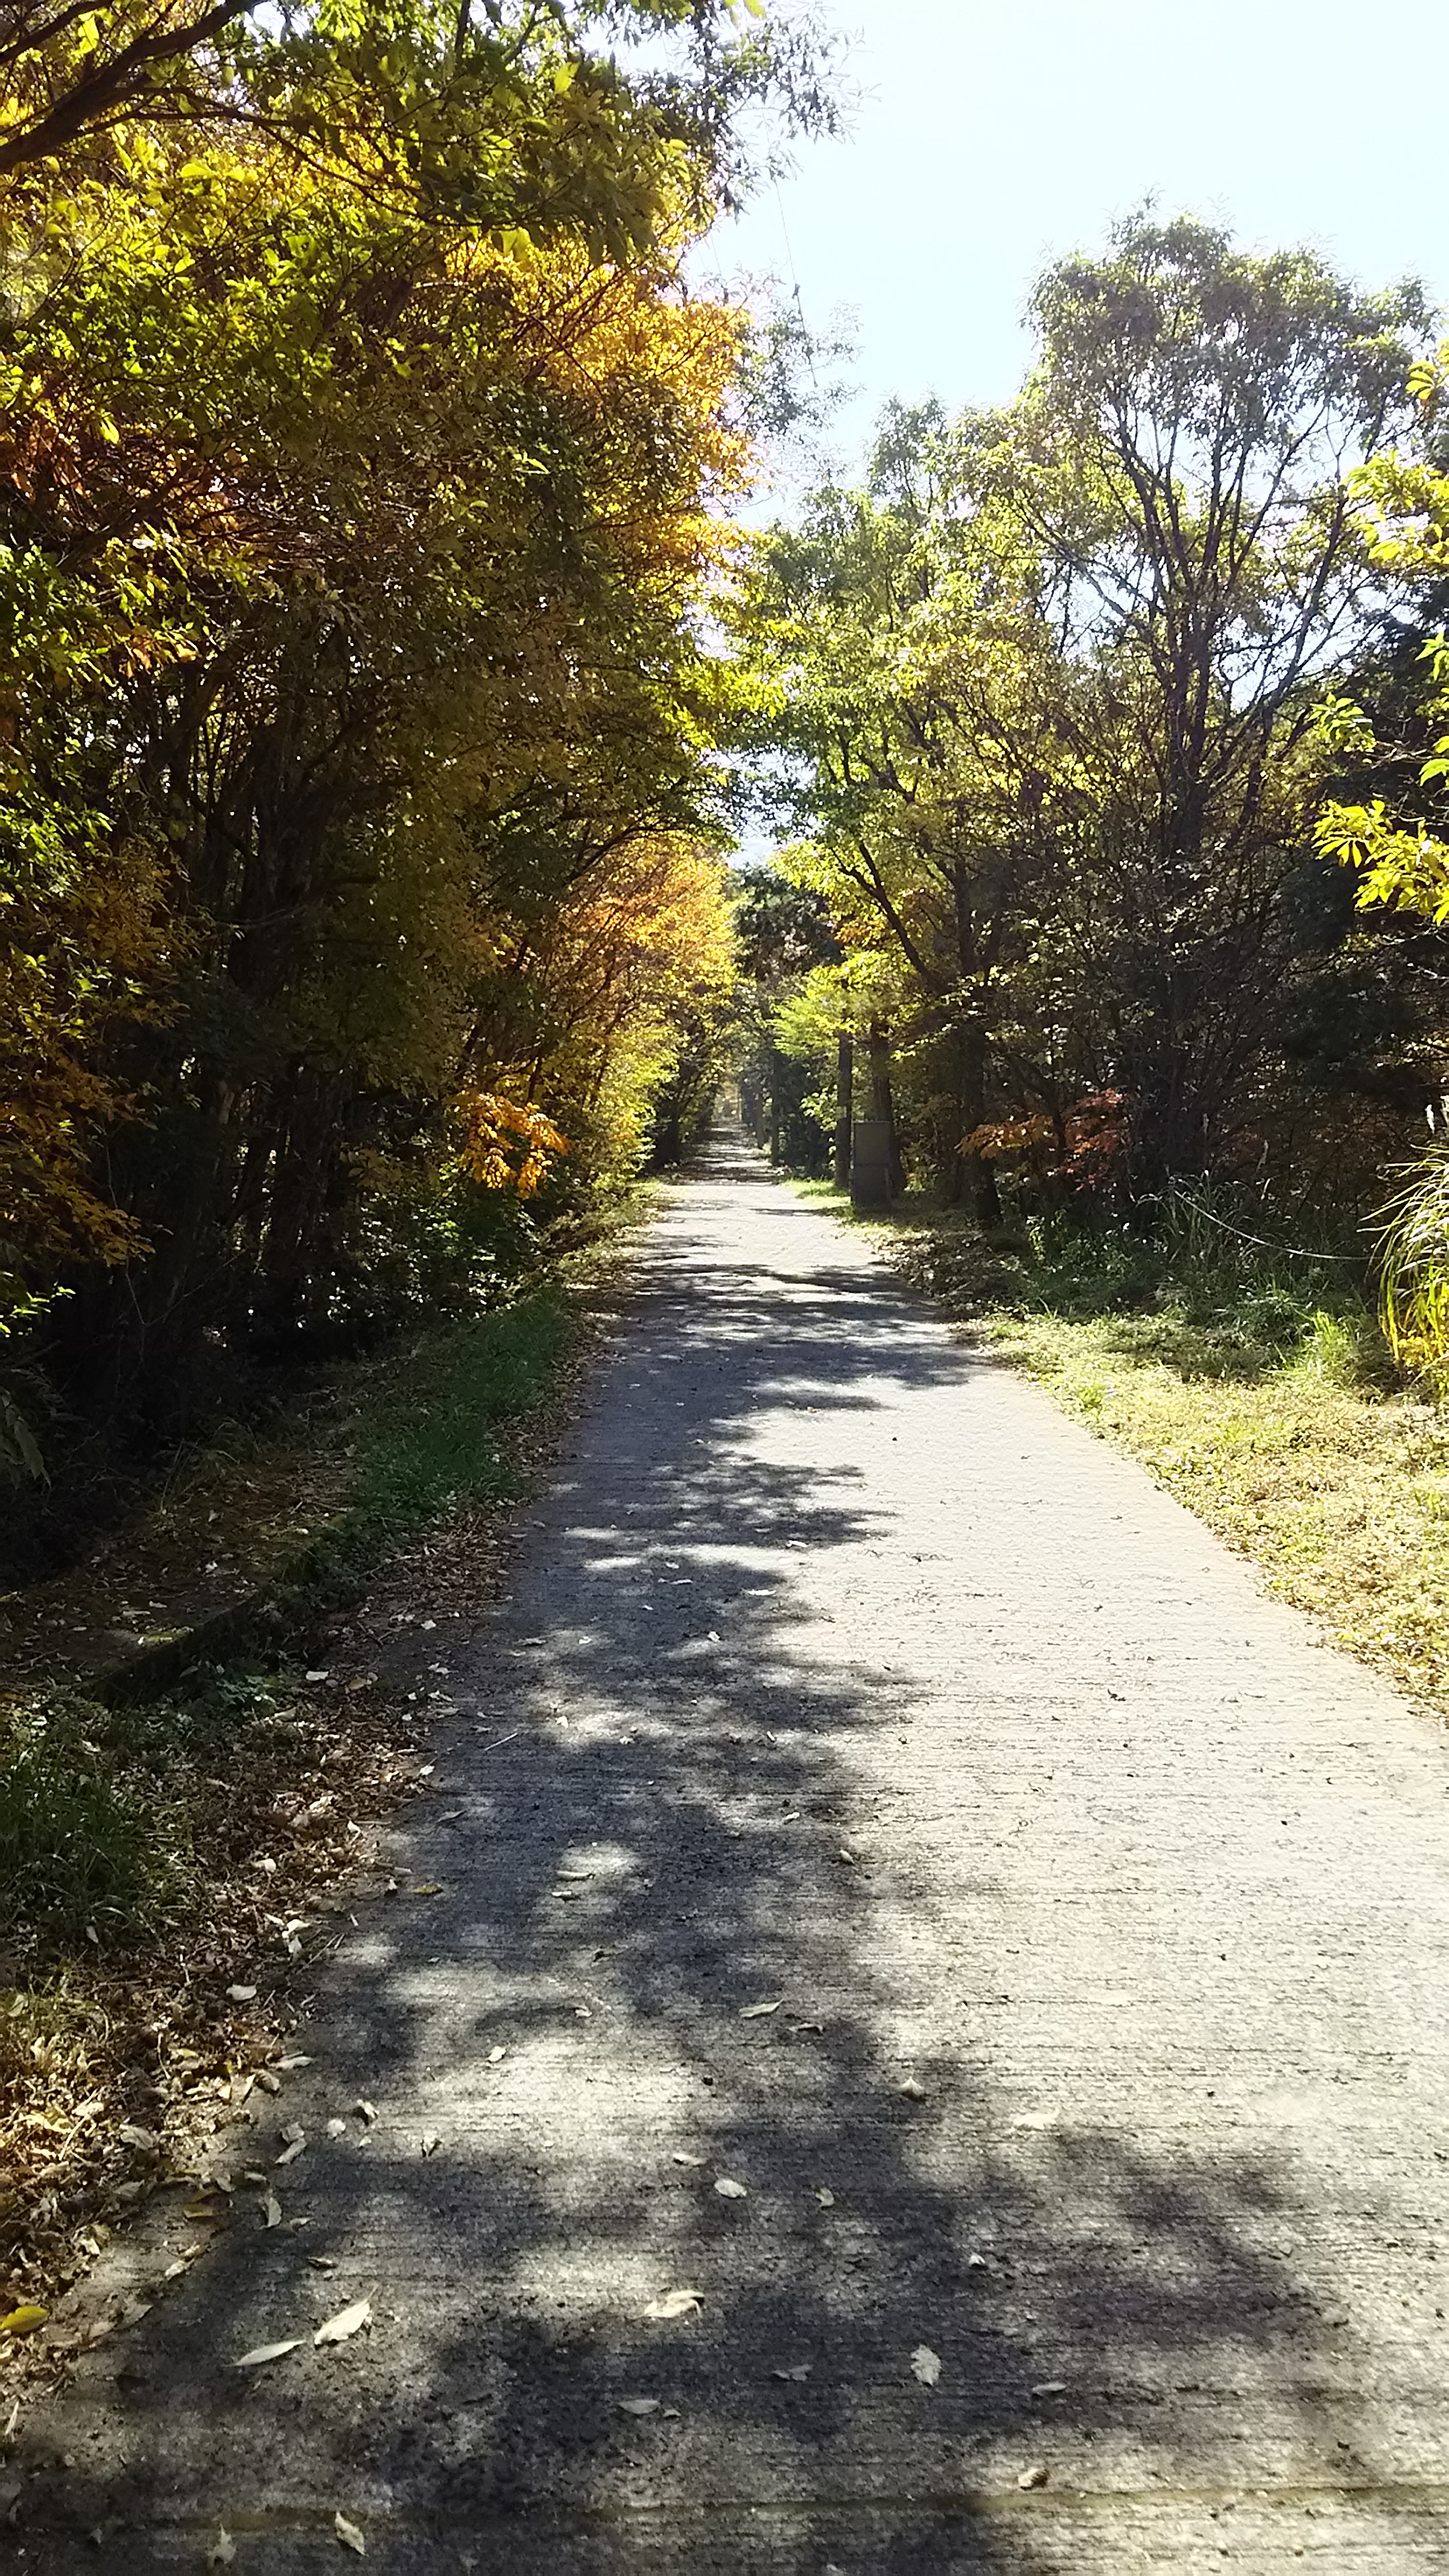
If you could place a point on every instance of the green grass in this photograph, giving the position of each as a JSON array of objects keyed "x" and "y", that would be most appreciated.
[
  {"x": 435, "y": 1442},
  {"x": 94, "y": 1815},
  {"x": 90, "y": 1847}
]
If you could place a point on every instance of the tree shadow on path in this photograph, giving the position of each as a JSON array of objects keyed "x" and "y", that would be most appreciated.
[{"x": 647, "y": 1827}]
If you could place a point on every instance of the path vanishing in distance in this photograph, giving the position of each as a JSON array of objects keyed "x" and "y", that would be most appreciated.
[{"x": 1103, "y": 1918}]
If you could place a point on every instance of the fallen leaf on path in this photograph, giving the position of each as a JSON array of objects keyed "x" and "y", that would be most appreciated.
[
  {"x": 1035, "y": 2476},
  {"x": 23, "y": 2321},
  {"x": 679, "y": 2158},
  {"x": 263, "y": 2352},
  {"x": 365, "y": 2110},
  {"x": 337, "y": 2128},
  {"x": 926, "y": 2365},
  {"x": 759, "y": 2012},
  {"x": 242, "y": 1994},
  {"x": 496, "y": 2056},
  {"x": 826, "y": 2199},
  {"x": 847, "y": 1855},
  {"x": 345, "y": 2323},
  {"x": 1050, "y": 2388},
  {"x": 290, "y": 2154},
  {"x": 431, "y": 2142},
  {"x": 272, "y": 2210},
  {"x": 433, "y": 1887},
  {"x": 296, "y": 2059},
  {"x": 135, "y": 2136},
  {"x": 674, "y": 2303},
  {"x": 316, "y": 1677},
  {"x": 349, "y": 2535},
  {"x": 729, "y": 2190},
  {"x": 912, "y": 2091},
  {"x": 976, "y": 2263},
  {"x": 800, "y": 2372},
  {"x": 222, "y": 2552},
  {"x": 639, "y": 2405}
]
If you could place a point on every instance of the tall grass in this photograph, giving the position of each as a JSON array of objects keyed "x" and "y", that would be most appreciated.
[{"x": 1414, "y": 1264}]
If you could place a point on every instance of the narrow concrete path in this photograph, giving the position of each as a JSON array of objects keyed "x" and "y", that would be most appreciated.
[{"x": 902, "y": 1814}]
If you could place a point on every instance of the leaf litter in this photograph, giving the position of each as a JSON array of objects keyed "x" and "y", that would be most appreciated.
[
  {"x": 926, "y": 2365},
  {"x": 346, "y": 2323},
  {"x": 674, "y": 2303},
  {"x": 349, "y": 2535}
]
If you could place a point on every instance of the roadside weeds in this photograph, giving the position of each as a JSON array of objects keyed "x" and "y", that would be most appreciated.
[{"x": 175, "y": 1852}]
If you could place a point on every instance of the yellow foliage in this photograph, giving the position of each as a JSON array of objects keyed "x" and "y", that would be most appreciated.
[{"x": 508, "y": 1146}]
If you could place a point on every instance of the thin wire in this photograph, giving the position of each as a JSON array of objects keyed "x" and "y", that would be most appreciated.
[{"x": 1294, "y": 1251}]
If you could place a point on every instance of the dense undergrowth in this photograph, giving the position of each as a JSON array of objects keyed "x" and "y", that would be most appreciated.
[{"x": 1256, "y": 1386}]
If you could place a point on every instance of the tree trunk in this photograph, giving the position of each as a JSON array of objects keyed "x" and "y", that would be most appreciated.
[
  {"x": 878, "y": 1048},
  {"x": 844, "y": 1107},
  {"x": 977, "y": 1175}
]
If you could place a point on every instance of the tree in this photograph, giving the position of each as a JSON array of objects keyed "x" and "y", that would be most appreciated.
[
  {"x": 1184, "y": 457},
  {"x": 359, "y": 536}
]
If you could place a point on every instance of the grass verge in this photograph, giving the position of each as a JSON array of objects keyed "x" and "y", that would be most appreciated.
[
  {"x": 1260, "y": 1393},
  {"x": 168, "y": 1864}
]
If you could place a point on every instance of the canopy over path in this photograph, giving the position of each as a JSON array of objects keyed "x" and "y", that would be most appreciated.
[{"x": 891, "y": 1807}]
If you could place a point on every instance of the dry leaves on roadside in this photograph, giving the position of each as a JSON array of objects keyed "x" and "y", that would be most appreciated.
[
  {"x": 347, "y": 2322},
  {"x": 222, "y": 2552},
  {"x": 926, "y": 2365},
  {"x": 264, "y": 2352},
  {"x": 349, "y": 2535},
  {"x": 674, "y": 2303},
  {"x": 730, "y": 2190},
  {"x": 758, "y": 2012},
  {"x": 639, "y": 2405},
  {"x": 23, "y": 2321}
]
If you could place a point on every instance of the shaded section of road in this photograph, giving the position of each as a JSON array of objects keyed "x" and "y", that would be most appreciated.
[{"x": 887, "y": 1802}]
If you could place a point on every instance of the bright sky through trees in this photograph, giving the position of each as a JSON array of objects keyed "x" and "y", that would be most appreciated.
[{"x": 990, "y": 140}]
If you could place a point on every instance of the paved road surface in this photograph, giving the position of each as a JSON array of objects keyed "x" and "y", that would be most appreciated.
[{"x": 1103, "y": 1918}]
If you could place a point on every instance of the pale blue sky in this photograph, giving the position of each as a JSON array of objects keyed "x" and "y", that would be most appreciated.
[{"x": 990, "y": 141}]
